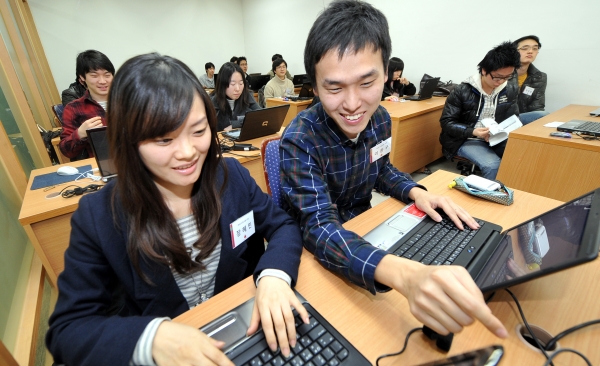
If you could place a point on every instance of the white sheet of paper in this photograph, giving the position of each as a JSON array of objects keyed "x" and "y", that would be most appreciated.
[{"x": 553, "y": 124}]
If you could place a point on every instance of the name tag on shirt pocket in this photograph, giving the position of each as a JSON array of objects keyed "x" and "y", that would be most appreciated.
[
  {"x": 241, "y": 229},
  {"x": 381, "y": 149},
  {"x": 528, "y": 90}
]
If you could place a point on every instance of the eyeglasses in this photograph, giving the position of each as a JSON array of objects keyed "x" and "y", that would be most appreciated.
[
  {"x": 527, "y": 48},
  {"x": 503, "y": 78},
  {"x": 282, "y": 66}
]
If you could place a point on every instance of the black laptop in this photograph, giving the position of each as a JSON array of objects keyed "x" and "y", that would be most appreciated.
[
  {"x": 306, "y": 93},
  {"x": 300, "y": 79},
  {"x": 426, "y": 91},
  {"x": 582, "y": 127},
  {"x": 259, "y": 123},
  {"x": 318, "y": 342},
  {"x": 99, "y": 142},
  {"x": 258, "y": 81},
  {"x": 560, "y": 238}
]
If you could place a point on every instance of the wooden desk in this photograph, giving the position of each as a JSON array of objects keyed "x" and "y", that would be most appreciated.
[
  {"x": 295, "y": 107},
  {"x": 47, "y": 221},
  {"x": 415, "y": 132},
  {"x": 552, "y": 167},
  {"x": 379, "y": 323}
]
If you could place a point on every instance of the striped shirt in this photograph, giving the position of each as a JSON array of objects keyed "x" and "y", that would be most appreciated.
[{"x": 327, "y": 179}]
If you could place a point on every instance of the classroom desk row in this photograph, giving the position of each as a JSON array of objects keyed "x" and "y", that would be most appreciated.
[{"x": 378, "y": 324}]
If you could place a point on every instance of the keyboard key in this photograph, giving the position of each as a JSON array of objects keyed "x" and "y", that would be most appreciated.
[
  {"x": 317, "y": 332},
  {"x": 315, "y": 348},
  {"x": 343, "y": 354},
  {"x": 325, "y": 340},
  {"x": 306, "y": 341},
  {"x": 336, "y": 346},
  {"x": 333, "y": 362},
  {"x": 319, "y": 360},
  {"x": 256, "y": 361},
  {"x": 328, "y": 353},
  {"x": 297, "y": 361},
  {"x": 306, "y": 354},
  {"x": 266, "y": 356},
  {"x": 278, "y": 361}
]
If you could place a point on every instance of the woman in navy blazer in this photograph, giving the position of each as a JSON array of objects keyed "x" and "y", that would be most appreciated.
[{"x": 119, "y": 285}]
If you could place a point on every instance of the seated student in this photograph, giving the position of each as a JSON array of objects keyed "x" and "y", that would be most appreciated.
[
  {"x": 231, "y": 98},
  {"x": 156, "y": 241},
  {"x": 279, "y": 86},
  {"x": 75, "y": 91},
  {"x": 532, "y": 82},
  {"x": 486, "y": 94},
  {"x": 396, "y": 86},
  {"x": 243, "y": 63},
  {"x": 96, "y": 72},
  {"x": 208, "y": 81},
  {"x": 327, "y": 175},
  {"x": 271, "y": 73},
  {"x": 233, "y": 59}
]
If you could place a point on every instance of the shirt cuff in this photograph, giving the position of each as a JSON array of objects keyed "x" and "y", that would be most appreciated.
[
  {"x": 275, "y": 273},
  {"x": 142, "y": 354}
]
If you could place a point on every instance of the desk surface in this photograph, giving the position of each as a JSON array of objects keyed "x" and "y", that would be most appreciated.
[
  {"x": 553, "y": 167},
  {"x": 378, "y": 324},
  {"x": 400, "y": 111}
]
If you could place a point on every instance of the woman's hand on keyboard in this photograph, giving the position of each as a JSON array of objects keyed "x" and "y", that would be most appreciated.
[
  {"x": 428, "y": 202},
  {"x": 273, "y": 304}
]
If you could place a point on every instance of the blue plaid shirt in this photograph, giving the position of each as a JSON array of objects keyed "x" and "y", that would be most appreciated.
[{"x": 327, "y": 179}]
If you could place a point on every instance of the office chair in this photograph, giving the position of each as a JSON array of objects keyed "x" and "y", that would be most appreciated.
[
  {"x": 465, "y": 166},
  {"x": 262, "y": 102},
  {"x": 269, "y": 151},
  {"x": 58, "y": 112}
]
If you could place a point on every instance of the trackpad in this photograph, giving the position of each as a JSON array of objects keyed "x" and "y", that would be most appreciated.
[{"x": 403, "y": 223}]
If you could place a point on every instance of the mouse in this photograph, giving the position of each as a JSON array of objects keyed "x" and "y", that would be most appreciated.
[{"x": 67, "y": 170}]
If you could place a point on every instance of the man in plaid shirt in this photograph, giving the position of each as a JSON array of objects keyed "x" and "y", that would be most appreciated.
[
  {"x": 96, "y": 72},
  {"x": 329, "y": 168}
]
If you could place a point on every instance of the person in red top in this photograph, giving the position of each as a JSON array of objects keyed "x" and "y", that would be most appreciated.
[{"x": 96, "y": 72}]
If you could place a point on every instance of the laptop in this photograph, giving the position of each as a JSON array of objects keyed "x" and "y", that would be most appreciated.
[
  {"x": 99, "y": 142},
  {"x": 582, "y": 127},
  {"x": 558, "y": 239},
  {"x": 306, "y": 93},
  {"x": 300, "y": 79},
  {"x": 318, "y": 342},
  {"x": 258, "y": 81},
  {"x": 426, "y": 91},
  {"x": 259, "y": 123}
]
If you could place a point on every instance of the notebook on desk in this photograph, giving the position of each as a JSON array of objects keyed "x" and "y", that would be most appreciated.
[
  {"x": 318, "y": 342},
  {"x": 582, "y": 127},
  {"x": 259, "y": 123},
  {"x": 558, "y": 239},
  {"x": 426, "y": 91},
  {"x": 99, "y": 142}
]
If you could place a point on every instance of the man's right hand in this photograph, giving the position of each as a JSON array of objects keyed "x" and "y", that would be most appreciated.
[
  {"x": 482, "y": 133},
  {"x": 90, "y": 123}
]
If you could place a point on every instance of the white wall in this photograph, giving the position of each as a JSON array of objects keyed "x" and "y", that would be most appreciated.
[{"x": 438, "y": 37}]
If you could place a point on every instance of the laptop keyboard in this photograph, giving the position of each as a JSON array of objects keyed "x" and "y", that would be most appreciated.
[
  {"x": 589, "y": 127},
  {"x": 318, "y": 343},
  {"x": 441, "y": 244},
  {"x": 295, "y": 99}
]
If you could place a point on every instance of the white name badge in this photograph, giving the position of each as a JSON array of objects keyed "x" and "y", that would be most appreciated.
[
  {"x": 528, "y": 90},
  {"x": 381, "y": 149},
  {"x": 241, "y": 229}
]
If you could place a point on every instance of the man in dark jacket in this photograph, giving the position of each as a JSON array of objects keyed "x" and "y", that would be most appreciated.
[
  {"x": 486, "y": 94},
  {"x": 531, "y": 81},
  {"x": 75, "y": 91}
]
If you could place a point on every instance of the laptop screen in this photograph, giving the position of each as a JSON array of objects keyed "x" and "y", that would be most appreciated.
[
  {"x": 548, "y": 243},
  {"x": 99, "y": 142}
]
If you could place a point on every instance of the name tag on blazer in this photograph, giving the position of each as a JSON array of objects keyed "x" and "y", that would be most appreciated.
[{"x": 241, "y": 229}]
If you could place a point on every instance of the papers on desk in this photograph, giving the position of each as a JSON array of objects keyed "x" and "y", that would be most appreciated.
[{"x": 553, "y": 124}]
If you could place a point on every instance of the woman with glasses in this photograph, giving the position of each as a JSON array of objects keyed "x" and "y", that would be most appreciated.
[
  {"x": 396, "y": 86},
  {"x": 232, "y": 97},
  {"x": 532, "y": 82},
  {"x": 279, "y": 86},
  {"x": 487, "y": 94}
]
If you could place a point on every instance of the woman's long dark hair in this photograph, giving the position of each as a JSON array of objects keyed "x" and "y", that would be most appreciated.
[
  {"x": 223, "y": 80},
  {"x": 395, "y": 64},
  {"x": 151, "y": 96}
]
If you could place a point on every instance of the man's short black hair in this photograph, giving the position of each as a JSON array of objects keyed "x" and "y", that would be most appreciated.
[
  {"x": 240, "y": 59},
  {"x": 276, "y": 56},
  {"x": 233, "y": 59},
  {"x": 347, "y": 25},
  {"x": 92, "y": 60},
  {"x": 501, "y": 56},
  {"x": 278, "y": 62},
  {"x": 208, "y": 65},
  {"x": 535, "y": 38}
]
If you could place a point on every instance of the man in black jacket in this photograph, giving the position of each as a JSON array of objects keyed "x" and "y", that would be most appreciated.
[
  {"x": 75, "y": 91},
  {"x": 486, "y": 94},
  {"x": 531, "y": 81}
]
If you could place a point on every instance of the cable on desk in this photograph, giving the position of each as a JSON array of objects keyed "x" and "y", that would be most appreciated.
[
  {"x": 537, "y": 342},
  {"x": 549, "y": 360},
  {"x": 403, "y": 348},
  {"x": 551, "y": 343},
  {"x": 586, "y": 137},
  {"x": 489, "y": 298},
  {"x": 78, "y": 191}
]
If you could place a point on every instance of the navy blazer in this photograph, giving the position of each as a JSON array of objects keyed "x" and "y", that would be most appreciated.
[{"x": 98, "y": 272}]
